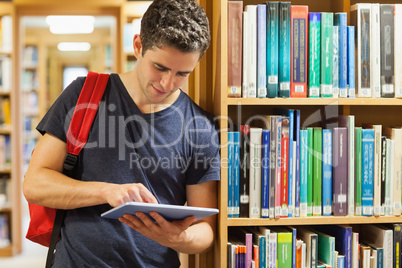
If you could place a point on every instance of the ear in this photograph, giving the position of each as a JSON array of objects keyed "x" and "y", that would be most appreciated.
[{"x": 137, "y": 46}]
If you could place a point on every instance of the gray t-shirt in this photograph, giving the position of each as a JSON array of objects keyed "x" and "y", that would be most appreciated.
[{"x": 165, "y": 151}]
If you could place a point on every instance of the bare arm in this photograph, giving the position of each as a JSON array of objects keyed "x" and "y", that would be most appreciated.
[
  {"x": 184, "y": 236},
  {"x": 46, "y": 185}
]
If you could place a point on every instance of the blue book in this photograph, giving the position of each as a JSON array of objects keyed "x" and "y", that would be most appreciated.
[
  {"x": 289, "y": 113},
  {"x": 351, "y": 61},
  {"x": 265, "y": 174},
  {"x": 367, "y": 171},
  {"x": 272, "y": 52},
  {"x": 284, "y": 49},
  {"x": 236, "y": 174},
  {"x": 341, "y": 261},
  {"x": 294, "y": 240},
  {"x": 261, "y": 51},
  {"x": 343, "y": 240},
  {"x": 262, "y": 243},
  {"x": 303, "y": 172},
  {"x": 296, "y": 176},
  {"x": 335, "y": 62},
  {"x": 340, "y": 20},
  {"x": 230, "y": 174},
  {"x": 327, "y": 172}
]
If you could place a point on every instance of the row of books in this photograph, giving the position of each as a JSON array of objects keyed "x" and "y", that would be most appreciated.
[
  {"x": 29, "y": 80},
  {"x": 338, "y": 246},
  {"x": 30, "y": 57},
  {"x": 5, "y": 152},
  {"x": 278, "y": 169},
  {"x": 5, "y": 73},
  {"x": 5, "y": 191},
  {"x": 5, "y": 113},
  {"x": 282, "y": 50},
  {"x": 6, "y": 40},
  {"x": 4, "y": 231}
]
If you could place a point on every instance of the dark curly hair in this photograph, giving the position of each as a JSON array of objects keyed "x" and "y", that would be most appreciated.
[{"x": 181, "y": 24}]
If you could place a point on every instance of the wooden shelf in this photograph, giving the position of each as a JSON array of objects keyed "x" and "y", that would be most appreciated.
[
  {"x": 313, "y": 221},
  {"x": 315, "y": 101}
]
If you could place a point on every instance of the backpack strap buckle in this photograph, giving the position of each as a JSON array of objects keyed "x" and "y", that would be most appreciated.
[{"x": 70, "y": 161}]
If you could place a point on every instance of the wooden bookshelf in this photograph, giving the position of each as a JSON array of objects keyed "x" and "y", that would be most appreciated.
[{"x": 380, "y": 111}]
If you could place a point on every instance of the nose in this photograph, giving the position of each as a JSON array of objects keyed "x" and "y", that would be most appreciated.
[{"x": 167, "y": 82}]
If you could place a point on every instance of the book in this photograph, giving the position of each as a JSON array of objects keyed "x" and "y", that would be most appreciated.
[
  {"x": 326, "y": 54},
  {"x": 284, "y": 245},
  {"x": 236, "y": 174},
  {"x": 284, "y": 189},
  {"x": 275, "y": 126},
  {"x": 265, "y": 173},
  {"x": 273, "y": 48},
  {"x": 244, "y": 170},
  {"x": 380, "y": 236},
  {"x": 251, "y": 50},
  {"x": 314, "y": 54},
  {"x": 360, "y": 17},
  {"x": 340, "y": 20},
  {"x": 235, "y": 47},
  {"x": 310, "y": 171},
  {"x": 383, "y": 174},
  {"x": 303, "y": 172},
  {"x": 335, "y": 62},
  {"x": 355, "y": 249},
  {"x": 387, "y": 50},
  {"x": 230, "y": 174},
  {"x": 326, "y": 248},
  {"x": 340, "y": 171},
  {"x": 389, "y": 177},
  {"x": 375, "y": 51},
  {"x": 255, "y": 172},
  {"x": 367, "y": 171},
  {"x": 246, "y": 54},
  {"x": 284, "y": 49},
  {"x": 317, "y": 171},
  {"x": 397, "y": 51},
  {"x": 358, "y": 171},
  {"x": 351, "y": 61},
  {"x": 326, "y": 172},
  {"x": 262, "y": 51},
  {"x": 298, "y": 41},
  {"x": 311, "y": 240},
  {"x": 297, "y": 161}
]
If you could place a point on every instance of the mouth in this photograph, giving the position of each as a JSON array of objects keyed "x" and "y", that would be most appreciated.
[{"x": 158, "y": 91}]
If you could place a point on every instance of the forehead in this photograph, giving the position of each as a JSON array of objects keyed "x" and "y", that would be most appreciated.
[{"x": 173, "y": 58}]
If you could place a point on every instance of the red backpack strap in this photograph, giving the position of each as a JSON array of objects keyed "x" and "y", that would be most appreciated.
[{"x": 83, "y": 116}]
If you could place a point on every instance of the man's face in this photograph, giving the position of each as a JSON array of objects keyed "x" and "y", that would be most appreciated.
[{"x": 162, "y": 71}]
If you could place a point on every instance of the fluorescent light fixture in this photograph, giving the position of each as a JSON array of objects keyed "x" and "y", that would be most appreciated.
[
  {"x": 74, "y": 46},
  {"x": 71, "y": 24}
]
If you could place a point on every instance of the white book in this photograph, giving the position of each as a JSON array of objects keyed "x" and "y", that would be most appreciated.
[
  {"x": 252, "y": 51},
  {"x": 375, "y": 51},
  {"x": 245, "y": 55},
  {"x": 7, "y": 34},
  {"x": 273, "y": 238},
  {"x": 255, "y": 172},
  {"x": 389, "y": 175},
  {"x": 5, "y": 73},
  {"x": 303, "y": 256},
  {"x": 398, "y": 51},
  {"x": 381, "y": 236},
  {"x": 355, "y": 250}
]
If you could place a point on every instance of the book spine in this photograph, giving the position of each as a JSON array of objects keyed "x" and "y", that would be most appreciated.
[
  {"x": 230, "y": 175},
  {"x": 273, "y": 238},
  {"x": 368, "y": 171},
  {"x": 299, "y": 37},
  {"x": 335, "y": 62},
  {"x": 275, "y": 121},
  {"x": 398, "y": 52},
  {"x": 246, "y": 52},
  {"x": 397, "y": 167},
  {"x": 284, "y": 49},
  {"x": 252, "y": 51},
  {"x": 340, "y": 20},
  {"x": 261, "y": 51},
  {"x": 396, "y": 244},
  {"x": 291, "y": 174},
  {"x": 387, "y": 51},
  {"x": 236, "y": 174},
  {"x": 375, "y": 51},
  {"x": 317, "y": 171},
  {"x": 297, "y": 170},
  {"x": 363, "y": 50},
  {"x": 351, "y": 61},
  {"x": 326, "y": 172},
  {"x": 340, "y": 171},
  {"x": 272, "y": 52},
  {"x": 244, "y": 170},
  {"x": 303, "y": 172},
  {"x": 310, "y": 172},
  {"x": 377, "y": 170},
  {"x": 255, "y": 172},
  {"x": 284, "y": 258},
  {"x": 278, "y": 184},
  {"x": 326, "y": 54},
  {"x": 383, "y": 173},
  {"x": 314, "y": 55},
  {"x": 351, "y": 165},
  {"x": 265, "y": 174},
  {"x": 285, "y": 166},
  {"x": 389, "y": 177},
  {"x": 235, "y": 21},
  {"x": 358, "y": 169}
]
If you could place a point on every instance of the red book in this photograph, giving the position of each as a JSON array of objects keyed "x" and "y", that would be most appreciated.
[{"x": 298, "y": 51}]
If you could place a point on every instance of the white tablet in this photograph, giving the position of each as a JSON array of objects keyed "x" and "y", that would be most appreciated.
[{"x": 169, "y": 212}]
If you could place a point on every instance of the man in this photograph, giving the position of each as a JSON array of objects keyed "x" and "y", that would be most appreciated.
[{"x": 149, "y": 143}]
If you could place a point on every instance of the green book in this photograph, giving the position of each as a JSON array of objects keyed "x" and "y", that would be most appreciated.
[
  {"x": 358, "y": 169},
  {"x": 326, "y": 248},
  {"x": 327, "y": 22},
  {"x": 314, "y": 54},
  {"x": 284, "y": 250},
  {"x": 317, "y": 171},
  {"x": 309, "y": 171}
]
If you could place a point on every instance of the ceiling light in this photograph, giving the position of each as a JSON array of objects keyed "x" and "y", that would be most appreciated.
[
  {"x": 74, "y": 46},
  {"x": 71, "y": 24}
]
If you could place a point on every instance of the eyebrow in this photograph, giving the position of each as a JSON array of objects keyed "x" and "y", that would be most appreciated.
[{"x": 168, "y": 69}]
